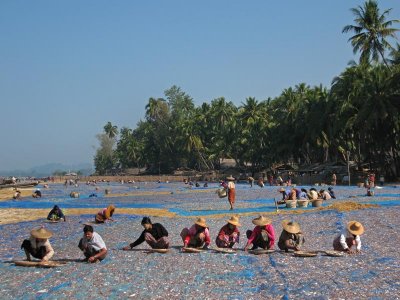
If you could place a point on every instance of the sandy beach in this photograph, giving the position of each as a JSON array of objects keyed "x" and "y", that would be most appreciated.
[{"x": 208, "y": 275}]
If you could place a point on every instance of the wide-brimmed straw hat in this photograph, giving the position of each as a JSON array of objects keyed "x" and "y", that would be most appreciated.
[
  {"x": 230, "y": 178},
  {"x": 261, "y": 221},
  {"x": 234, "y": 221},
  {"x": 355, "y": 227},
  {"x": 109, "y": 209},
  {"x": 291, "y": 226},
  {"x": 201, "y": 222},
  {"x": 41, "y": 233}
]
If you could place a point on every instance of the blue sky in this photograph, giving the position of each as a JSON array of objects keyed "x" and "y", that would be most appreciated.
[{"x": 69, "y": 67}]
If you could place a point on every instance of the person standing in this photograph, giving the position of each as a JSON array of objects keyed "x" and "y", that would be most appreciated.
[
  {"x": 231, "y": 191},
  {"x": 154, "y": 234},
  {"x": 334, "y": 178}
]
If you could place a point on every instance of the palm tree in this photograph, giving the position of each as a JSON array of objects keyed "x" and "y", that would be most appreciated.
[
  {"x": 110, "y": 130},
  {"x": 371, "y": 32}
]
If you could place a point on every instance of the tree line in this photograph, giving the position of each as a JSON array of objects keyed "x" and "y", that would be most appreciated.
[{"x": 357, "y": 118}]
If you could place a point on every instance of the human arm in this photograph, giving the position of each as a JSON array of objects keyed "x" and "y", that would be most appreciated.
[
  {"x": 137, "y": 242},
  {"x": 271, "y": 235},
  {"x": 102, "y": 253},
  {"x": 253, "y": 235},
  {"x": 358, "y": 243},
  {"x": 49, "y": 251}
]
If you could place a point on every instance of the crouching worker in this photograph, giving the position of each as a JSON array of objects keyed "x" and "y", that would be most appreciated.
[
  {"x": 154, "y": 234},
  {"x": 263, "y": 235},
  {"x": 56, "y": 214},
  {"x": 38, "y": 245},
  {"x": 291, "y": 237},
  {"x": 92, "y": 245},
  {"x": 105, "y": 214},
  {"x": 351, "y": 237},
  {"x": 228, "y": 234},
  {"x": 37, "y": 194},
  {"x": 197, "y": 235}
]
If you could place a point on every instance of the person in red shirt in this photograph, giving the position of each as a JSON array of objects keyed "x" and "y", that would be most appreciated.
[
  {"x": 263, "y": 235},
  {"x": 228, "y": 234}
]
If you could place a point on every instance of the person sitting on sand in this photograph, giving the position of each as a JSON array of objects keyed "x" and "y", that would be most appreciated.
[
  {"x": 331, "y": 192},
  {"x": 105, "y": 214},
  {"x": 37, "y": 194},
  {"x": 92, "y": 245},
  {"x": 291, "y": 237},
  {"x": 325, "y": 195},
  {"x": 17, "y": 195},
  {"x": 198, "y": 235},
  {"x": 56, "y": 214},
  {"x": 38, "y": 245},
  {"x": 350, "y": 237},
  {"x": 263, "y": 235},
  {"x": 229, "y": 234},
  {"x": 154, "y": 234}
]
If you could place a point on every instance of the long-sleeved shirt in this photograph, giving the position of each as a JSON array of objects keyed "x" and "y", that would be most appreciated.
[
  {"x": 157, "y": 231},
  {"x": 193, "y": 231},
  {"x": 57, "y": 212},
  {"x": 46, "y": 244},
  {"x": 297, "y": 238},
  {"x": 96, "y": 242},
  {"x": 225, "y": 231},
  {"x": 347, "y": 234},
  {"x": 257, "y": 230}
]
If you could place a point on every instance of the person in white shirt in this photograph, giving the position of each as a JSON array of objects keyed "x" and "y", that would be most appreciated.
[
  {"x": 351, "y": 237},
  {"x": 92, "y": 245},
  {"x": 38, "y": 245}
]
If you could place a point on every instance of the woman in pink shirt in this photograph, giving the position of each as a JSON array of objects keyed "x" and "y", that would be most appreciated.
[
  {"x": 263, "y": 235},
  {"x": 197, "y": 235}
]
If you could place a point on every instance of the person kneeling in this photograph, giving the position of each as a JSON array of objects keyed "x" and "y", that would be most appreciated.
[
  {"x": 154, "y": 234},
  {"x": 197, "y": 235},
  {"x": 263, "y": 235},
  {"x": 56, "y": 214},
  {"x": 291, "y": 237},
  {"x": 38, "y": 245},
  {"x": 228, "y": 234},
  {"x": 92, "y": 245}
]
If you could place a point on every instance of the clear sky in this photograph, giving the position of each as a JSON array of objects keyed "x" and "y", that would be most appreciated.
[{"x": 69, "y": 67}]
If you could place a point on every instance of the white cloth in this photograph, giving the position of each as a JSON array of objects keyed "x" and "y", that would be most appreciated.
[
  {"x": 96, "y": 242},
  {"x": 326, "y": 195},
  {"x": 46, "y": 244},
  {"x": 348, "y": 234},
  {"x": 231, "y": 185}
]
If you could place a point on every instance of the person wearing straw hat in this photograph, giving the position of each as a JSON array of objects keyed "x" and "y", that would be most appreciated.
[
  {"x": 92, "y": 245},
  {"x": 154, "y": 234},
  {"x": 229, "y": 234},
  {"x": 350, "y": 237},
  {"x": 291, "y": 237},
  {"x": 231, "y": 191},
  {"x": 263, "y": 235},
  {"x": 198, "y": 235},
  {"x": 38, "y": 245},
  {"x": 105, "y": 214}
]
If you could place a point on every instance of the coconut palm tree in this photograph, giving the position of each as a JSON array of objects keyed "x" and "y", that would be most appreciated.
[
  {"x": 111, "y": 130},
  {"x": 371, "y": 32}
]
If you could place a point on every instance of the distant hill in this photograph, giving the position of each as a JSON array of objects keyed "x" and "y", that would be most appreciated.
[{"x": 49, "y": 169}]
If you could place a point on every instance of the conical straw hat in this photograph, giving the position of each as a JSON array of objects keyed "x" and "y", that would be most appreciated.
[
  {"x": 261, "y": 221},
  {"x": 234, "y": 221},
  {"x": 355, "y": 227},
  {"x": 290, "y": 226},
  {"x": 201, "y": 222},
  {"x": 41, "y": 233}
]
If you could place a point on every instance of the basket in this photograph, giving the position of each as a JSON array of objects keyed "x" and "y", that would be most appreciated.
[
  {"x": 291, "y": 203},
  {"x": 222, "y": 193},
  {"x": 317, "y": 203},
  {"x": 302, "y": 203}
]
